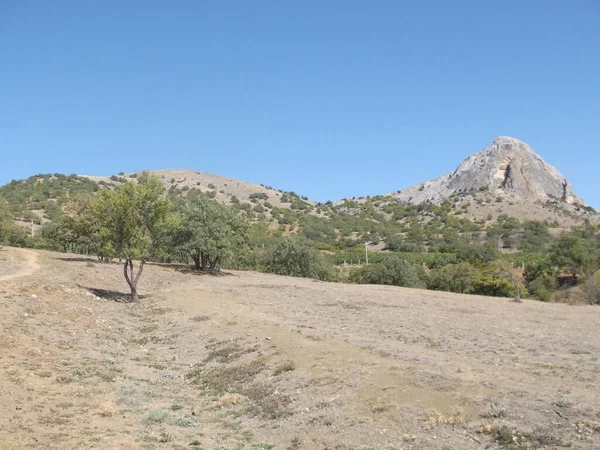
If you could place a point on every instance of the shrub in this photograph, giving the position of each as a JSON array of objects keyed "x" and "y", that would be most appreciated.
[
  {"x": 452, "y": 278},
  {"x": 591, "y": 289},
  {"x": 296, "y": 257},
  {"x": 392, "y": 271},
  {"x": 259, "y": 196},
  {"x": 543, "y": 286},
  {"x": 498, "y": 279}
]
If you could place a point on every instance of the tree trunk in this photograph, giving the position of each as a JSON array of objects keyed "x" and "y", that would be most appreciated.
[
  {"x": 517, "y": 288},
  {"x": 203, "y": 260},
  {"x": 131, "y": 278},
  {"x": 214, "y": 264},
  {"x": 196, "y": 258}
]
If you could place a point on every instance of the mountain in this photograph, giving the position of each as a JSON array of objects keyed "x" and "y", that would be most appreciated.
[{"x": 508, "y": 167}]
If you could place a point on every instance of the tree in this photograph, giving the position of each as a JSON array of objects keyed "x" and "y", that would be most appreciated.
[
  {"x": 452, "y": 278},
  {"x": 499, "y": 279},
  {"x": 392, "y": 271},
  {"x": 132, "y": 221},
  {"x": 209, "y": 231},
  {"x": 298, "y": 258},
  {"x": 536, "y": 237},
  {"x": 62, "y": 234},
  {"x": 572, "y": 253},
  {"x": 591, "y": 289},
  {"x": 504, "y": 269},
  {"x": 5, "y": 218}
]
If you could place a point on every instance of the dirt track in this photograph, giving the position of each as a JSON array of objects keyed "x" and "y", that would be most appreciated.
[
  {"x": 284, "y": 363},
  {"x": 19, "y": 263}
]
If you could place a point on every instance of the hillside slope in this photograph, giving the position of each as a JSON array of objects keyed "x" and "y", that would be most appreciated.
[{"x": 259, "y": 361}]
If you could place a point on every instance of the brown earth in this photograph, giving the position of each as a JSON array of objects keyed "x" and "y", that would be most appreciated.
[{"x": 256, "y": 361}]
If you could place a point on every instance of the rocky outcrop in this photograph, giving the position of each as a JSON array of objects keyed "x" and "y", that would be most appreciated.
[{"x": 508, "y": 166}]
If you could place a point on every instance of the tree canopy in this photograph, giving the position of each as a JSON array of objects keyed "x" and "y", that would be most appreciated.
[
  {"x": 131, "y": 222},
  {"x": 209, "y": 231}
]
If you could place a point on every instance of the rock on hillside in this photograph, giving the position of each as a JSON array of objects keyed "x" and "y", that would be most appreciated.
[{"x": 508, "y": 166}]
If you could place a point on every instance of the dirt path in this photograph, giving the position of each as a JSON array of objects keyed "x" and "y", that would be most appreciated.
[{"x": 27, "y": 263}]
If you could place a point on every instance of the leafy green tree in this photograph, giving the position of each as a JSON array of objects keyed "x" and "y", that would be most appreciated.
[
  {"x": 131, "y": 221},
  {"x": 209, "y": 232},
  {"x": 452, "y": 278},
  {"x": 298, "y": 258},
  {"x": 536, "y": 237},
  {"x": 497, "y": 279},
  {"x": 398, "y": 243},
  {"x": 5, "y": 222},
  {"x": 62, "y": 234},
  {"x": 573, "y": 254},
  {"x": 591, "y": 289},
  {"x": 542, "y": 286},
  {"x": 391, "y": 271}
]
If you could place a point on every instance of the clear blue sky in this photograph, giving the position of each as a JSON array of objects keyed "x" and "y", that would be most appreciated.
[{"x": 328, "y": 98}]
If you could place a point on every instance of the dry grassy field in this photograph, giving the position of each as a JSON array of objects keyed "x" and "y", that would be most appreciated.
[{"x": 253, "y": 361}]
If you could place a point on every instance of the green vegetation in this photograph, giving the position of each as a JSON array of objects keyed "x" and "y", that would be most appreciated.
[
  {"x": 392, "y": 271},
  {"x": 453, "y": 278},
  {"x": 259, "y": 196},
  {"x": 425, "y": 245},
  {"x": 298, "y": 258},
  {"x": 46, "y": 194},
  {"x": 208, "y": 231},
  {"x": 129, "y": 222}
]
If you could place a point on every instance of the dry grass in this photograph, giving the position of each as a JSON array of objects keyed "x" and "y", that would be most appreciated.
[{"x": 257, "y": 361}]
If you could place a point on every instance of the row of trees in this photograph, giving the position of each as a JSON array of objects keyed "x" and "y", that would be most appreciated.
[
  {"x": 573, "y": 260},
  {"x": 137, "y": 222}
]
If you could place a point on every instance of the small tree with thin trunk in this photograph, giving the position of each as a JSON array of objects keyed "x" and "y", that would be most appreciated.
[
  {"x": 132, "y": 221},
  {"x": 506, "y": 270}
]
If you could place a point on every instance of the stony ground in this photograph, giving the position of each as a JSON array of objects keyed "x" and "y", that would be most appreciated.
[{"x": 254, "y": 361}]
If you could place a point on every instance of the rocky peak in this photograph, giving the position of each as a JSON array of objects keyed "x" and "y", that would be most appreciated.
[{"x": 507, "y": 166}]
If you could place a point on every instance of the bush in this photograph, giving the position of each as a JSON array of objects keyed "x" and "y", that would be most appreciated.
[
  {"x": 543, "y": 286},
  {"x": 591, "y": 289},
  {"x": 497, "y": 280},
  {"x": 392, "y": 271},
  {"x": 452, "y": 278},
  {"x": 297, "y": 258},
  {"x": 259, "y": 196}
]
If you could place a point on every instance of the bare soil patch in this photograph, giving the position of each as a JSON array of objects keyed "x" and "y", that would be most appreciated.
[{"x": 253, "y": 361}]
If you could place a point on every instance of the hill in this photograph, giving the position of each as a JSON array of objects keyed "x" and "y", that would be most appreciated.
[{"x": 223, "y": 189}]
